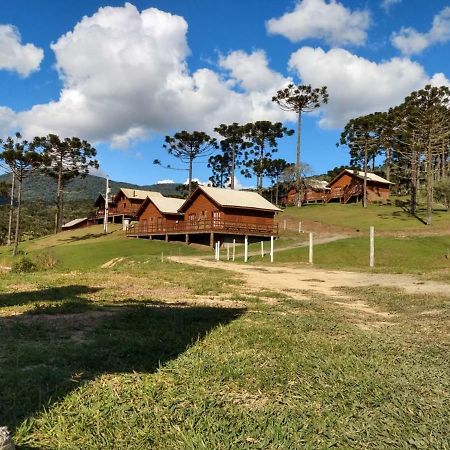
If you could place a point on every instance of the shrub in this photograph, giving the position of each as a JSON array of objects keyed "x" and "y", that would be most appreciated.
[
  {"x": 23, "y": 265},
  {"x": 46, "y": 260}
]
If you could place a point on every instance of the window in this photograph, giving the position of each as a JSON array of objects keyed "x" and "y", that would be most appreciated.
[{"x": 216, "y": 218}]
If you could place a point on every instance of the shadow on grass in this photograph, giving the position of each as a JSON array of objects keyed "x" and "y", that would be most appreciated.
[
  {"x": 84, "y": 237},
  {"x": 45, "y": 356},
  {"x": 65, "y": 293}
]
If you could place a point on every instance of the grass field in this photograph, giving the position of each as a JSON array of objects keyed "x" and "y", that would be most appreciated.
[
  {"x": 353, "y": 217},
  {"x": 145, "y": 353}
]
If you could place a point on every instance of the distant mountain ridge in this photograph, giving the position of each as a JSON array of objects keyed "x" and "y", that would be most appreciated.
[{"x": 43, "y": 188}]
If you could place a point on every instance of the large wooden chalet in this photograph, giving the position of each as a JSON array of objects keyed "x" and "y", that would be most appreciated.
[
  {"x": 124, "y": 205},
  {"x": 209, "y": 215},
  {"x": 346, "y": 187}
]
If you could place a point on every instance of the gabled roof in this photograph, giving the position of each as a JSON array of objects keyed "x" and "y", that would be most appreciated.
[
  {"x": 359, "y": 174},
  {"x": 138, "y": 194},
  {"x": 101, "y": 200},
  {"x": 233, "y": 199},
  {"x": 166, "y": 205},
  {"x": 74, "y": 222}
]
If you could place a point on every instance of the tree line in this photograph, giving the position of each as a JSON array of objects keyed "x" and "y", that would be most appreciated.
[
  {"x": 60, "y": 159},
  {"x": 414, "y": 140}
]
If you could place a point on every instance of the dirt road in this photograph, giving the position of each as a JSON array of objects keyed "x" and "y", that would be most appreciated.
[{"x": 322, "y": 281}]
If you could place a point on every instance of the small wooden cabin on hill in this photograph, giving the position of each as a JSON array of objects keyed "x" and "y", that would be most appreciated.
[
  {"x": 314, "y": 191},
  {"x": 123, "y": 205},
  {"x": 212, "y": 214},
  {"x": 158, "y": 213}
]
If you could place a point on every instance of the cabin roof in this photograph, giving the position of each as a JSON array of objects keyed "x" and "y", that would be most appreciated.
[
  {"x": 74, "y": 222},
  {"x": 234, "y": 199},
  {"x": 166, "y": 205},
  {"x": 359, "y": 174},
  {"x": 138, "y": 193}
]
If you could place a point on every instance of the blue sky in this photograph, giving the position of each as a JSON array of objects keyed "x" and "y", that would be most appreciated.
[{"x": 125, "y": 75}]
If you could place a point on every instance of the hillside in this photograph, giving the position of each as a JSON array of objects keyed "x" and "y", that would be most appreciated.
[{"x": 41, "y": 187}]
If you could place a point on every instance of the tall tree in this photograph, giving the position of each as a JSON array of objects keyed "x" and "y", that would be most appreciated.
[
  {"x": 360, "y": 136},
  {"x": 22, "y": 158},
  {"x": 65, "y": 159},
  {"x": 264, "y": 135},
  {"x": 220, "y": 166},
  {"x": 233, "y": 146},
  {"x": 300, "y": 99},
  {"x": 189, "y": 146}
]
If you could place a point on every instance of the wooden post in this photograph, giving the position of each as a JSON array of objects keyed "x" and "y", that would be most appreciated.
[
  {"x": 162, "y": 257},
  {"x": 284, "y": 224},
  {"x": 218, "y": 250},
  {"x": 271, "y": 249},
  {"x": 246, "y": 249},
  {"x": 372, "y": 247},
  {"x": 187, "y": 239},
  {"x": 262, "y": 249},
  {"x": 228, "y": 252},
  {"x": 311, "y": 248},
  {"x": 167, "y": 238},
  {"x": 211, "y": 240},
  {"x": 234, "y": 249},
  {"x": 299, "y": 227}
]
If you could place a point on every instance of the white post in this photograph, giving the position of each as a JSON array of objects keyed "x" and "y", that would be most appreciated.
[
  {"x": 234, "y": 249},
  {"x": 245, "y": 248},
  {"x": 310, "y": 248},
  {"x": 262, "y": 249},
  {"x": 372, "y": 247},
  {"x": 215, "y": 251},
  {"x": 228, "y": 252},
  {"x": 299, "y": 227},
  {"x": 105, "y": 217},
  {"x": 284, "y": 224},
  {"x": 271, "y": 249},
  {"x": 162, "y": 257},
  {"x": 218, "y": 250}
]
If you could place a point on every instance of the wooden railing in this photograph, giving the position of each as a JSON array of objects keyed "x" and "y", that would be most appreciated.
[
  {"x": 223, "y": 226},
  {"x": 351, "y": 191},
  {"x": 114, "y": 211}
]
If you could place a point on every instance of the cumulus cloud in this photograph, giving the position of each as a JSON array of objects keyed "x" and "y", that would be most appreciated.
[
  {"x": 8, "y": 121},
  {"x": 320, "y": 19},
  {"x": 125, "y": 76},
  {"x": 166, "y": 181},
  {"x": 357, "y": 85},
  {"x": 386, "y": 4},
  {"x": 410, "y": 41},
  {"x": 23, "y": 59}
]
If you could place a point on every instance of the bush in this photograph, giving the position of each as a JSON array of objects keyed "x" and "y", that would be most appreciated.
[
  {"x": 46, "y": 260},
  {"x": 23, "y": 265}
]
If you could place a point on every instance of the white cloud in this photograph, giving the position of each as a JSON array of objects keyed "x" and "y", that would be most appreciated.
[
  {"x": 166, "y": 181},
  {"x": 23, "y": 59},
  {"x": 321, "y": 19},
  {"x": 410, "y": 41},
  {"x": 134, "y": 81},
  {"x": 8, "y": 121},
  {"x": 356, "y": 85},
  {"x": 386, "y": 4}
]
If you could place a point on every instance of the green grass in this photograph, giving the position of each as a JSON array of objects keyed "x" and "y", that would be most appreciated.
[
  {"x": 302, "y": 374},
  {"x": 409, "y": 254},
  {"x": 354, "y": 217}
]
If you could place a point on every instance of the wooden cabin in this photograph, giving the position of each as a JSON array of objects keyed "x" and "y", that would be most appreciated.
[
  {"x": 123, "y": 205},
  {"x": 213, "y": 214},
  {"x": 349, "y": 185},
  {"x": 158, "y": 213},
  {"x": 77, "y": 223},
  {"x": 314, "y": 191}
]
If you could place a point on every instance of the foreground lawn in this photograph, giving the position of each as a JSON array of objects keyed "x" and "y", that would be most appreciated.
[
  {"x": 87, "y": 366},
  {"x": 353, "y": 217}
]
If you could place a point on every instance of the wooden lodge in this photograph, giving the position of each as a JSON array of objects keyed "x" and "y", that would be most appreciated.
[
  {"x": 209, "y": 215},
  {"x": 124, "y": 205},
  {"x": 347, "y": 187}
]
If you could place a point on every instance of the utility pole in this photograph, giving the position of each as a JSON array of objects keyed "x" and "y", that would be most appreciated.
[{"x": 105, "y": 217}]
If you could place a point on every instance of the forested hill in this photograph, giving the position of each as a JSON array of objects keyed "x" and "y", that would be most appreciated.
[{"x": 41, "y": 187}]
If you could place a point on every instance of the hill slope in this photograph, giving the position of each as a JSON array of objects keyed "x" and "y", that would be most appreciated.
[{"x": 41, "y": 187}]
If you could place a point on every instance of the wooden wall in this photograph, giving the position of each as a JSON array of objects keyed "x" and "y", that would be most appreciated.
[{"x": 152, "y": 216}]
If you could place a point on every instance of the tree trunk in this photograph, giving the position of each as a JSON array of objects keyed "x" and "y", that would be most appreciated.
[
  {"x": 298, "y": 174},
  {"x": 276, "y": 191},
  {"x": 429, "y": 173},
  {"x": 11, "y": 208},
  {"x": 19, "y": 204},
  {"x": 261, "y": 170},
  {"x": 59, "y": 188},
  {"x": 233, "y": 165},
  {"x": 413, "y": 182},
  {"x": 388, "y": 163},
  {"x": 365, "y": 176},
  {"x": 191, "y": 160}
]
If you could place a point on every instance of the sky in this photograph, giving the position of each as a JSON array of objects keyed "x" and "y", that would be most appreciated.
[{"x": 124, "y": 75}]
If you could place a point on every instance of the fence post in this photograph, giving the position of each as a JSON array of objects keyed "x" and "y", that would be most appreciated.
[
  {"x": 262, "y": 249},
  {"x": 162, "y": 257},
  {"x": 372, "y": 247},
  {"x": 271, "y": 249},
  {"x": 234, "y": 249},
  {"x": 311, "y": 250},
  {"x": 284, "y": 224},
  {"x": 299, "y": 227},
  {"x": 245, "y": 248},
  {"x": 228, "y": 252}
]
